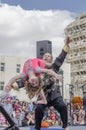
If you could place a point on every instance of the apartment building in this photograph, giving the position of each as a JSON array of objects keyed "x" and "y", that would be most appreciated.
[{"x": 77, "y": 55}]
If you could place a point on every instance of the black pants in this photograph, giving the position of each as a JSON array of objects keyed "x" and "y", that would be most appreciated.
[
  {"x": 6, "y": 115},
  {"x": 58, "y": 104}
]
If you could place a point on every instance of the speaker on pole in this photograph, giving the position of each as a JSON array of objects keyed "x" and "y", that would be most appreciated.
[{"x": 43, "y": 47}]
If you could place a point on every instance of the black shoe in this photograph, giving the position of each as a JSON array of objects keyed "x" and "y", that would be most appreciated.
[{"x": 12, "y": 128}]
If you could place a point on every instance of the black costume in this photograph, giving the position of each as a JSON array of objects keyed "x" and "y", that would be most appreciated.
[
  {"x": 8, "y": 118},
  {"x": 53, "y": 96}
]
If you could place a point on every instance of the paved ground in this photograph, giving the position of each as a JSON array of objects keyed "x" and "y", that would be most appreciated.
[
  {"x": 70, "y": 128},
  {"x": 77, "y": 128}
]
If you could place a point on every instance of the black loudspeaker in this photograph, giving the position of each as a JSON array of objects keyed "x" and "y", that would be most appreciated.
[{"x": 42, "y": 47}]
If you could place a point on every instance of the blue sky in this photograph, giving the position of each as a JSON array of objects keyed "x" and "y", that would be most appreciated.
[
  {"x": 24, "y": 22},
  {"x": 77, "y": 6}
]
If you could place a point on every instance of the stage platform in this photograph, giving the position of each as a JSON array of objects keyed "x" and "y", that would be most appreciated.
[
  {"x": 32, "y": 128},
  {"x": 55, "y": 128},
  {"x": 48, "y": 128}
]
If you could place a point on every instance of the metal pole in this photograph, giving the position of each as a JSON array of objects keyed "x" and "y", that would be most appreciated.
[{"x": 61, "y": 72}]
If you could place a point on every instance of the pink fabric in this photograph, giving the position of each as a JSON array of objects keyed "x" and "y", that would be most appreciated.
[{"x": 31, "y": 64}]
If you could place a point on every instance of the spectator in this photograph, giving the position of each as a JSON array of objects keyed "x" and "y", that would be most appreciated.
[
  {"x": 81, "y": 120},
  {"x": 53, "y": 118},
  {"x": 2, "y": 120},
  {"x": 25, "y": 106},
  {"x": 8, "y": 106},
  {"x": 18, "y": 117},
  {"x": 75, "y": 119},
  {"x": 28, "y": 120}
]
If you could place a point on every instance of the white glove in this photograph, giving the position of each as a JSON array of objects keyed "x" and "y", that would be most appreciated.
[
  {"x": 4, "y": 95},
  {"x": 38, "y": 70}
]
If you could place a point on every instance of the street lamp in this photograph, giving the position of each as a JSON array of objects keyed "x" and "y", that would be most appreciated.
[
  {"x": 71, "y": 92},
  {"x": 61, "y": 73}
]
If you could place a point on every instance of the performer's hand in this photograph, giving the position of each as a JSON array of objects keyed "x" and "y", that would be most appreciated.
[
  {"x": 66, "y": 46},
  {"x": 67, "y": 40}
]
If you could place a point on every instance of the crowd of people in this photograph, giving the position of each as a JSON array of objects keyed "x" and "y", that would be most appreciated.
[
  {"x": 23, "y": 114},
  {"x": 76, "y": 116}
]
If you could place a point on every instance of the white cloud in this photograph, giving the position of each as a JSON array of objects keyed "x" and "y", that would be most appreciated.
[{"x": 20, "y": 29}]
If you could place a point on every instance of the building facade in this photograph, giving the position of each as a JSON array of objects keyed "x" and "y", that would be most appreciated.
[
  {"x": 9, "y": 67},
  {"x": 77, "y": 55},
  {"x": 43, "y": 47}
]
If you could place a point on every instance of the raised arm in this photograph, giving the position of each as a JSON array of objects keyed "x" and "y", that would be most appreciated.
[
  {"x": 48, "y": 71},
  {"x": 8, "y": 87},
  {"x": 60, "y": 59}
]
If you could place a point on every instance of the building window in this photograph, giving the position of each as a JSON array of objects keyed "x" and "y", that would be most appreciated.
[
  {"x": 2, "y": 66},
  {"x": 18, "y": 67},
  {"x": 1, "y": 85}
]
